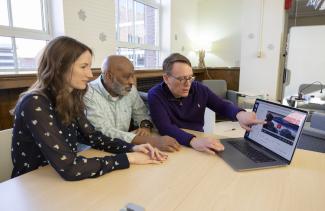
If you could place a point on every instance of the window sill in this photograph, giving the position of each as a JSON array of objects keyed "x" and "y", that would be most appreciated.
[{"x": 24, "y": 80}]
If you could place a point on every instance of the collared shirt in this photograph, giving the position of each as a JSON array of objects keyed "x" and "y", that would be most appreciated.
[
  {"x": 40, "y": 138},
  {"x": 112, "y": 116},
  {"x": 169, "y": 114}
]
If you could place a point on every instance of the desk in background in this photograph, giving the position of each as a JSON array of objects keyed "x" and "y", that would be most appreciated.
[{"x": 189, "y": 180}]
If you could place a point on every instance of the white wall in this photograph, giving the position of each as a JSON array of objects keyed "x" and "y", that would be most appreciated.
[
  {"x": 186, "y": 24},
  {"x": 201, "y": 23},
  {"x": 183, "y": 27},
  {"x": 100, "y": 18},
  {"x": 220, "y": 26},
  {"x": 260, "y": 75},
  {"x": 175, "y": 22}
]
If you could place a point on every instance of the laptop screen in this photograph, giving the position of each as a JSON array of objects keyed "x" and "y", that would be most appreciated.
[{"x": 282, "y": 130}]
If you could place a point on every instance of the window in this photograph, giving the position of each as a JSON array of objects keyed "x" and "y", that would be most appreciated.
[
  {"x": 137, "y": 31},
  {"x": 23, "y": 34}
]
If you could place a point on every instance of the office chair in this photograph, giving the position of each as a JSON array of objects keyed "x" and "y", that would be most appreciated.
[
  {"x": 310, "y": 88},
  {"x": 306, "y": 94},
  {"x": 144, "y": 97},
  {"x": 313, "y": 134},
  {"x": 219, "y": 87}
]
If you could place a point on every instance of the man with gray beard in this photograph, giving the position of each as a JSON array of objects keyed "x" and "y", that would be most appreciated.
[{"x": 112, "y": 101}]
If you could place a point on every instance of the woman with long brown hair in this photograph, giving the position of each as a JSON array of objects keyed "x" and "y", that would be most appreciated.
[{"x": 50, "y": 120}]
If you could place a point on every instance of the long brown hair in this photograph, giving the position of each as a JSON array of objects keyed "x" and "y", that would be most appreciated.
[{"x": 56, "y": 61}]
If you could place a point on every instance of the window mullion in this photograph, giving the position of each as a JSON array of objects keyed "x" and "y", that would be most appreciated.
[
  {"x": 24, "y": 33},
  {"x": 149, "y": 3},
  {"x": 44, "y": 25},
  {"x": 9, "y": 14},
  {"x": 48, "y": 17},
  {"x": 139, "y": 46},
  {"x": 13, "y": 41},
  {"x": 133, "y": 22},
  {"x": 133, "y": 47},
  {"x": 158, "y": 31},
  {"x": 134, "y": 58},
  {"x": 117, "y": 20},
  {"x": 144, "y": 31},
  {"x": 34, "y": 35},
  {"x": 134, "y": 17}
]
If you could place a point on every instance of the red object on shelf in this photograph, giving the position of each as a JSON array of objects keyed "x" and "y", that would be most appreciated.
[{"x": 287, "y": 4}]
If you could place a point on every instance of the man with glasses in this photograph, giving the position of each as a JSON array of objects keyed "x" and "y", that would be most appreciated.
[
  {"x": 180, "y": 102},
  {"x": 112, "y": 101}
]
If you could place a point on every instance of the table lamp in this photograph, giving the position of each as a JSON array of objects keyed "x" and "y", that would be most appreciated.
[{"x": 201, "y": 58}]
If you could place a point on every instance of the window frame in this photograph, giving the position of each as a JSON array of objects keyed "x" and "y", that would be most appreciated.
[
  {"x": 134, "y": 46},
  {"x": 17, "y": 32}
]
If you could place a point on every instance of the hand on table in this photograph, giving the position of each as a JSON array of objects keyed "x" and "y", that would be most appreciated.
[
  {"x": 165, "y": 143},
  {"x": 207, "y": 144},
  {"x": 145, "y": 154}
]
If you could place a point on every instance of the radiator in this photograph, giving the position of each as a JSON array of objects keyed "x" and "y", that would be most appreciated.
[{"x": 144, "y": 84}]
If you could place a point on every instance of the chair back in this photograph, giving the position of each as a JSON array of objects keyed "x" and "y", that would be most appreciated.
[
  {"x": 5, "y": 154},
  {"x": 317, "y": 121},
  {"x": 309, "y": 88},
  {"x": 219, "y": 87}
]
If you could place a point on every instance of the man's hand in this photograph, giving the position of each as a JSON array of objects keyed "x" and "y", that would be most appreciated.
[
  {"x": 209, "y": 145},
  {"x": 247, "y": 119},
  {"x": 142, "y": 131},
  {"x": 165, "y": 143}
]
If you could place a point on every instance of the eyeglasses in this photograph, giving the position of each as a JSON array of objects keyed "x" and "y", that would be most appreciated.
[{"x": 183, "y": 79}]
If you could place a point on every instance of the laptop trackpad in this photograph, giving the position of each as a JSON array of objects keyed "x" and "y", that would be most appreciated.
[{"x": 244, "y": 157}]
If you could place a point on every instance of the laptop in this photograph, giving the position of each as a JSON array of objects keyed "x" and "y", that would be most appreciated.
[{"x": 270, "y": 145}]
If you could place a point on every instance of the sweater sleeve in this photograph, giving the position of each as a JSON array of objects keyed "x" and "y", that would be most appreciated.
[
  {"x": 161, "y": 119},
  {"x": 221, "y": 106},
  {"x": 40, "y": 119},
  {"x": 98, "y": 140}
]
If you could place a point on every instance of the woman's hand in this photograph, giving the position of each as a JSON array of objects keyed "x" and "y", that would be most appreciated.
[
  {"x": 141, "y": 158},
  {"x": 152, "y": 152}
]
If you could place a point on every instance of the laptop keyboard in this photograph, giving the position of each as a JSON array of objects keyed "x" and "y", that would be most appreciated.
[{"x": 250, "y": 152}]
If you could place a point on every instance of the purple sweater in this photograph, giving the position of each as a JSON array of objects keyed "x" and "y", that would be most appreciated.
[{"x": 169, "y": 114}]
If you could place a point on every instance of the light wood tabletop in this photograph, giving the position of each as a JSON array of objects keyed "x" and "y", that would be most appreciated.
[{"x": 189, "y": 180}]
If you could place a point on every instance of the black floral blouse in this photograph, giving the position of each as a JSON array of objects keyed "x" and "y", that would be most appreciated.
[{"x": 40, "y": 138}]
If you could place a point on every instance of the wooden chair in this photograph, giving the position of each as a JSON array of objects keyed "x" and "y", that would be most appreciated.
[{"x": 5, "y": 154}]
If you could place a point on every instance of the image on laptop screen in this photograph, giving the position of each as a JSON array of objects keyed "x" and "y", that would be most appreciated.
[{"x": 281, "y": 131}]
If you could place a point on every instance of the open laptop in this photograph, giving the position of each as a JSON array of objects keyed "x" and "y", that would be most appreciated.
[{"x": 269, "y": 145}]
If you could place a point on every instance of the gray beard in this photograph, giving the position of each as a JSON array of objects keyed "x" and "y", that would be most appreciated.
[{"x": 119, "y": 89}]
